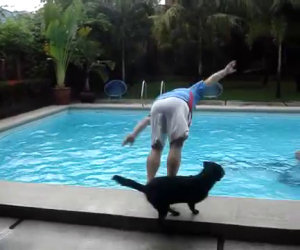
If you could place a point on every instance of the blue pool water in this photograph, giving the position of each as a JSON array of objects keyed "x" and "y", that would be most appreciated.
[{"x": 83, "y": 147}]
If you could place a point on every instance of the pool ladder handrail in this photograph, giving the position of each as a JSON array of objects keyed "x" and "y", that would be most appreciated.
[
  {"x": 144, "y": 92},
  {"x": 162, "y": 87}
]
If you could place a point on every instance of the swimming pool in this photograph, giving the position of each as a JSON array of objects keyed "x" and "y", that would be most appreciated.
[{"x": 83, "y": 147}]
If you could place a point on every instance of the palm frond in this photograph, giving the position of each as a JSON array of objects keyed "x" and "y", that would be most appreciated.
[
  {"x": 278, "y": 29},
  {"x": 257, "y": 29},
  {"x": 60, "y": 29},
  {"x": 223, "y": 23}
]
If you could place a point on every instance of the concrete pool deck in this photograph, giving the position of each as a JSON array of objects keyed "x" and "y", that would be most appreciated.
[
  {"x": 41, "y": 235},
  {"x": 222, "y": 217}
]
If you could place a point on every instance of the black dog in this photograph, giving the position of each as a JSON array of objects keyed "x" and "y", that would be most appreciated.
[{"x": 163, "y": 191}]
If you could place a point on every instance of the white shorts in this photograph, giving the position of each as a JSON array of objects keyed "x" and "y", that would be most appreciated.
[{"x": 169, "y": 118}]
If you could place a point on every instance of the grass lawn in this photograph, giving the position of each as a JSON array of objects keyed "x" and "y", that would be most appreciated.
[{"x": 233, "y": 90}]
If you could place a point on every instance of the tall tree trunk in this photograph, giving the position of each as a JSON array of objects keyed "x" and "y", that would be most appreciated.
[
  {"x": 265, "y": 71},
  {"x": 123, "y": 60},
  {"x": 87, "y": 82},
  {"x": 3, "y": 71},
  {"x": 297, "y": 80},
  {"x": 200, "y": 64},
  {"x": 278, "y": 85},
  {"x": 19, "y": 68}
]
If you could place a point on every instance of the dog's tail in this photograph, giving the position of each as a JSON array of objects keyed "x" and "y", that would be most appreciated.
[{"x": 129, "y": 183}]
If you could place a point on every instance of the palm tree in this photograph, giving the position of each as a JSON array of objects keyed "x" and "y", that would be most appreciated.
[
  {"x": 266, "y": 19},
  {"x": 131, "y": 26},
  {"x": 87, "y": 56},
  {"x": 61, "y": 26},
  {"x": 278, "y": 31},
  {"x": 202, "y": 23}
]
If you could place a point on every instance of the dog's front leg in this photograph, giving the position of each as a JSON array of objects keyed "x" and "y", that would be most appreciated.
[{"x": 193, "y": 209}]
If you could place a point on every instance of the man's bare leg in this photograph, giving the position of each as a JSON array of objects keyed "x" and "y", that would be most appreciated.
[
  {"x": 174, "y": 158},
  {"x": 153, "y": 162}
]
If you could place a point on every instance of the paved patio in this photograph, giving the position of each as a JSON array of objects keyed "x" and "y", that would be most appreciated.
[{"x": 41, "y": 235}]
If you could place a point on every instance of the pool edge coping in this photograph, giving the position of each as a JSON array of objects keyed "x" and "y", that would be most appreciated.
[
  {"x": 231, "y": 108},
  {"x": 27, "y": 117},
  {"x": 15, "y": 121},
  {"x": 232, "y": 218}
]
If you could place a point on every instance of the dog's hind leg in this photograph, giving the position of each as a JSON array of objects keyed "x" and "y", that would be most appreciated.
[
  {"x": 162, "y": 213},
  {"x": 173, "y": 212},
  {"x": 193, "y": 209}
]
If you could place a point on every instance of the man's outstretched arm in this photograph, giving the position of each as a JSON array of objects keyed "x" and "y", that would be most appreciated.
[
  {"x": 216, "y": 77},
  {"x": 138, "y": 129}
]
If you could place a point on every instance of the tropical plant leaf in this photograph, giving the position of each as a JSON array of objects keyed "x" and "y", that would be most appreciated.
[
  {"x": 60, "y": 29},
  {"x": 278, "y": 29}
]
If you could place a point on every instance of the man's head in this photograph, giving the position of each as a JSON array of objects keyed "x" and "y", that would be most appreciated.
[{"x": 213, "y": 90}]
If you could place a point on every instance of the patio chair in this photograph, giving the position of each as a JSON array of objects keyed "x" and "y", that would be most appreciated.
[{"x": 115, "y": 88}]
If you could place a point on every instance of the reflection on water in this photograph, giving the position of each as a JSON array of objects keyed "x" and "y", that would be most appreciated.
[{"x": 291, "y": 176}]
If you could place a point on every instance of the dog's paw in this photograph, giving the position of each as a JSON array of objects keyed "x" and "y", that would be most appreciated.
[
  {"x": 175, "y": 213},
  {"x": 195, "y": 211}
]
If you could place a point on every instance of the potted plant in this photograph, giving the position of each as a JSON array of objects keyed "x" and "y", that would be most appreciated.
[
  {"x": 87, "y": 56},
  {"x": 61, "y": 26}
]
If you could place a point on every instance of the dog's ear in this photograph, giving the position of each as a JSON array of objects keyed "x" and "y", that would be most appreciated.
[
  {"x": 205, "y": 164},
  {"x": 208, "y": 164},
  {"x": 214, "y": 168}
]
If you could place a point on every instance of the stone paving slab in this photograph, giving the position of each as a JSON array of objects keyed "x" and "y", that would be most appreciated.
[
  {"x": 150, "y": 101},
  {"x": 17, "y": 120},
  {"x": 138, "y": 106},
  {"x": 6, "y": 226},
  {"x": 39, "y": 235},
  {"x": 256, "y": 109},
  {"x": 293, "y": 104},
  {"x": 206, "y": 102},
  {"x": 203, "y": 107},
  {"x": 6, "y": 223},
  {"x": 212, "y": 102},
  {"x": 240, "y": 245},
  {"x": 246, "y": 103}
]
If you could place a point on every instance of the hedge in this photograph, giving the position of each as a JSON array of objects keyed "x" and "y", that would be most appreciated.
[{"x": 21, "y": 96}]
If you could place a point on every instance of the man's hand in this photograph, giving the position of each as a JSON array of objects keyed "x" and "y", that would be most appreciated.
[
  {"x": 129, "y": 139},
  {"x": 230, "y": 68},
  {"x": 216, "y": 77}
]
